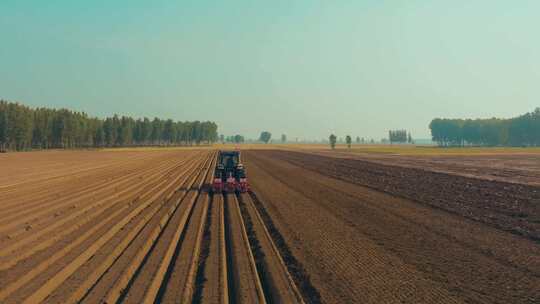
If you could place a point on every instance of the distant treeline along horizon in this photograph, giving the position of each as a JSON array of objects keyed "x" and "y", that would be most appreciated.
[
  {"x": 523, "y": 130},
  {"x": 24, "y": 128}
]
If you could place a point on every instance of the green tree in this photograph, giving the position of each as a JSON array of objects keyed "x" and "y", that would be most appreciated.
[
  {"x": 125, "y": 131},
  {"x": 332, "y": 138},
  {"x": 471, "y": 132},
  {"x": 399, "y": 136},
  {"x": 265, "y": 136},
  {"x": 41, "y": 127},
  {"x": 155, "y": 136},
  {"x": 146, "y": 131},
  {"x": 117, "y": 131},
  {"x": 283, "y": 138},
  {"x": 238, "y": 139},
  {"x": 22, "y": 127},
  {"x": 110, "y": 132},
  {"x": 348, "y": 140},
  {"x": 3, "y": 125},
  {"x": 99, "y": 137},
  {"x": 169, "y": 132},
  {"x": 196, "y": 132},
  {"x": 523, "y": 130}
]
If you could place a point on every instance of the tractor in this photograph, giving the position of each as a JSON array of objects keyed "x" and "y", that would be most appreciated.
[{"x": 230, "y": 174}]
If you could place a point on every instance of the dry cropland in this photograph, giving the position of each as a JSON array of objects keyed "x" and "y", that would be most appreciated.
[{"x": 361, "y": 225}]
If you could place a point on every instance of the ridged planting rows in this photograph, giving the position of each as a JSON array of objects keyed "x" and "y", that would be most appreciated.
[{"x": 143, "y": 229}]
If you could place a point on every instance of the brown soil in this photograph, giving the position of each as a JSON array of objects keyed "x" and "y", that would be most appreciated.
[
  {"x": 130, "y": 227},
  {"x": 519, "y": 168},
  {"x": 372, "y": 233},
  {"x": 507, "y": 206},
  {"x": 213, "y": 284},
  {"x": 245, "y": 285}
]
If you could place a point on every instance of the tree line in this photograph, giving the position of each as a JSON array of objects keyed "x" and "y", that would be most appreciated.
[
  {"x": 24, "y": 128},
  {"x": 237, "y": 139},
  {"x": 523, "y": 130},
  {"x": 399, "y": 136}
]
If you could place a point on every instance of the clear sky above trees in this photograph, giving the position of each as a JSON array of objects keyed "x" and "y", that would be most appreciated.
[{"x": 348, "y": 67}]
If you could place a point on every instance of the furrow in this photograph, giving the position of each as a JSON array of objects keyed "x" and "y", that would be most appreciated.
[
  {"x": 112, "y": 284},
  {"x": 277, "y": 282},
  {"x": 85, "y": 279},
  {"x": 244, "y": 278},
  {"x": 215, "y": 288},
  {"x": 70, "y": 227},
  {"x": 22, "y": 279},
  {"x": 41, "y": 293},
  {"x": 41, "y": 190},
  {"x": 147, "y": 284},
  {"x": 34, "y": 215},
  {"x": 179, "y": 285}
]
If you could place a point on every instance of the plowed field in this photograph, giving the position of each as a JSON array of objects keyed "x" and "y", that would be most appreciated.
[
  {"x": 131, "y": 227},
  {"x": 140, "y": 226},
  {"x": 373, "y": 233}
]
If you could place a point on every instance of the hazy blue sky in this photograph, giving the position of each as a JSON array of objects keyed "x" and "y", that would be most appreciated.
[{"x": 305, "y": 68}]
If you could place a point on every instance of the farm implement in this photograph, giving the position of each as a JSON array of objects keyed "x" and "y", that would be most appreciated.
[{"x": 230, "y": 174}]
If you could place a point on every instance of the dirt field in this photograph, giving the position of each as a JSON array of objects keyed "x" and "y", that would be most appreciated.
[
  {"x": 509, "y": 166},
  {"x": 515, "y": 165},
  {"x": 138, "y": 225},
  {"x": 370, "y": 233},
  {"x": 131, "y": 226}
]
